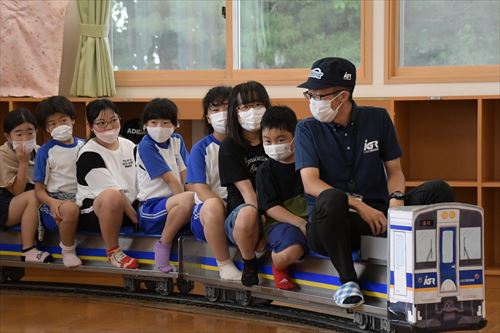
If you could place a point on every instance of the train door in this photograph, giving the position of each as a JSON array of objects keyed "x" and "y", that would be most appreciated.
[
  {"x": 400, "y": 263},
  {"x": 448, "y": 266}
]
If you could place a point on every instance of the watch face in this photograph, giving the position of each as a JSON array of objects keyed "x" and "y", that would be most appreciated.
[{"x": 397, "y": 195}]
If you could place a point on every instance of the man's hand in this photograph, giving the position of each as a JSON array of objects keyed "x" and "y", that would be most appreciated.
[{"x": 375, "y": 219}]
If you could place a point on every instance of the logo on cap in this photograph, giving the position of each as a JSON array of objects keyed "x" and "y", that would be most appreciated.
[
  {"x": 347, "y": 76},
  {"x": 316, "y": 73}
]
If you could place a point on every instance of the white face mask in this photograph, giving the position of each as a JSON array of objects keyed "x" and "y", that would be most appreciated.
[
  {"x": 250, "y": 120},
  {"x": 160, "y": 134},
  {"x": 279, "y": 152},
  {"x": 109, "y": 136},
  {"x": 29, "y": 145},
  {"x": 322, "y": 110},
  {"x": 218, "y": 121},
  {"x": 62, "y": 133}
]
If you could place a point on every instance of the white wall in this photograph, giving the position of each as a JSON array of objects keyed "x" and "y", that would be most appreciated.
[{"x": 376, "y": 89}]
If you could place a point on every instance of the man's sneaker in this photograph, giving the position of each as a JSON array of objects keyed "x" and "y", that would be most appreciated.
[{"x": 119, "y": 259}]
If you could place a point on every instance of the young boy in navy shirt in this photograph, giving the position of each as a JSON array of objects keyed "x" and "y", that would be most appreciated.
[{"x": 280, "y": 194}]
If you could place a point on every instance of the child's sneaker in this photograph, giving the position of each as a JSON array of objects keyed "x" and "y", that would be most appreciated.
[
  {"x": 70, "y": 259},
  {"x": 162, "y": 257},
  {"x": 119, "y": 259},
  {"x": 282, "y": 280},
  {"x": 250, "y": 276},
  {"x": 35, "y": 255}
]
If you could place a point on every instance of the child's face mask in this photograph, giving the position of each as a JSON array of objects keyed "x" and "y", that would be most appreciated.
[
  {"x": 29, "y": 145},
  {"x": 279, "y": 152},
  {"x": 62, "y": 133}
]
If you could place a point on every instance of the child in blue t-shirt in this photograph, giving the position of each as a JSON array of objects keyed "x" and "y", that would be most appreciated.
[
  {"x": 281, "y": 195},
  {"x": 55, "y": 174},
  {"x": 161, "y": 172},
  {"x": 203, "y": 178}
]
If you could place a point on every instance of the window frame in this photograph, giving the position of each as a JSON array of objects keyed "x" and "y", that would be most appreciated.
[
  {"x": 394, "y": 73},
  {"x": 230, "y": 76}
]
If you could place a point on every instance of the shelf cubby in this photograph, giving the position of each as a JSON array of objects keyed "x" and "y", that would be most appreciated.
[
  {"x": 491, "y": 206},
  {"x": 438, "y": 138},
  {"x": 490, "y": 142}
]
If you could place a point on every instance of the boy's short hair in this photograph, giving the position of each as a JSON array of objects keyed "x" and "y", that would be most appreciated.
[
  {"x": 215, "y": 96},
  {"x": 53, "y": 105},
  {"x": 160, "y": 108},
  {"x": 279, "y": 117}
]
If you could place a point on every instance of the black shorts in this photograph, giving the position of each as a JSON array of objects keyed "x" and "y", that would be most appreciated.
[
  {"x": 90, "y": 222},
  {"x": 5, "y": 199}
]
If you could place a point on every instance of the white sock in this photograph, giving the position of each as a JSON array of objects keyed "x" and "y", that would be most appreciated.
[
  {"x": 228, "y": 270},
  {"x": 70, "y": 259}
]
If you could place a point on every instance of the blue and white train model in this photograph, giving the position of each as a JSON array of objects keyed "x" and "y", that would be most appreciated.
[{"x": 427, "y": 275}]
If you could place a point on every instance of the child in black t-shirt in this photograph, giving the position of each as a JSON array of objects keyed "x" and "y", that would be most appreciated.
[
  {"x": 240, "y": 155},
  {"x": 281, "y": 194}
]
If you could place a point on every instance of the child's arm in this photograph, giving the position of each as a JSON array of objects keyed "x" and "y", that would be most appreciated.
[
  {"x": 22, "y": 172},
  {"x": 280, "y": 213},
  {"x": 173, "y": 183},
  {"x": 247, "y": 192},
  {"x": 202, "y": 190},
  {"x": 54, "y": 204}
]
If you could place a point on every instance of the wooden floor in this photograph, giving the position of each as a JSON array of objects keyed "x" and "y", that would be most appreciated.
[{"x": 38, "y": 312}]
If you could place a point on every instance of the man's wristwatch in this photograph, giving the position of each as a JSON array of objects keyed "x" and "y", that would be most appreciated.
[{"x": 398, "y": 195}]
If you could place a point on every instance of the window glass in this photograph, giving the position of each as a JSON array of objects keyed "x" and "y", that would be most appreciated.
[
  {"x": 449, "y": 33},
  {"x": 447, "y": 247},
  {"x": 425, "y": 245},
  {"x": 294, "y": 33},
  {"x": 174, "y": 34},
  {"x": 470, "y": 243}
]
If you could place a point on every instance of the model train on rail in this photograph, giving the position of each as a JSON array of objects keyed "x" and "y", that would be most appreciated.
[{"x": 427, "y": 274}]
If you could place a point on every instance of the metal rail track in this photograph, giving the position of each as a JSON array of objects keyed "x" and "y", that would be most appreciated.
[{"x": 276, "y": 312}]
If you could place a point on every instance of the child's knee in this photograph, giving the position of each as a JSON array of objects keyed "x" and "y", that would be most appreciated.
[
  {"x": 289, "y": 255},
  {"x": 212, "y": 211},
  {"x": 246, "y": 221},
  {"x": 70, "y": 211},
  {"x": 109, "y": 199}
]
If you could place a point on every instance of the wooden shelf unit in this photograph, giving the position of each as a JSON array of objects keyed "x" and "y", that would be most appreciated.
[{"x": 452, "y": 138}]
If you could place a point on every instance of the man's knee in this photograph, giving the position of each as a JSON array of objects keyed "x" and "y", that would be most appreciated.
[
  {"x": 442, "y": 191},
  {"x": 331, "y": 202}
]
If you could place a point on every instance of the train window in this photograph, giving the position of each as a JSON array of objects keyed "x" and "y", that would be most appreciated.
[
  {"x": 470, "y": 243},
  {"x": 426, "y": 245},
  {"x": 447, "y": 247}
]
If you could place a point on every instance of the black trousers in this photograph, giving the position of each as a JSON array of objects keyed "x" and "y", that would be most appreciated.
[{"x": 335, "y": 232}]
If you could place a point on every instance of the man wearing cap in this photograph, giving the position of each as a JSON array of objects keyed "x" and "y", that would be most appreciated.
[{"x": 349, "y": 162}]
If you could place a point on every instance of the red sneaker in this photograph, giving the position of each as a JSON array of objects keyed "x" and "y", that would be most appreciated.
[
  {"x": 282, "y": 280},
  {"x": 119, "y": 259}
]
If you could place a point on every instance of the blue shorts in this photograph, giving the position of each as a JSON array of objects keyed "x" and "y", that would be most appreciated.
[
  {"x": 283, "y": 235},
  {"x": 48, "y": 222},
  {"x": 231, "y": 219},
  {"x": 196, "y": 226},
  {"x": 152, "y": 215}
]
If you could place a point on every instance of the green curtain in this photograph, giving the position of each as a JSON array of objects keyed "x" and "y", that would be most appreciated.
[{"x": 93, "y": 69}]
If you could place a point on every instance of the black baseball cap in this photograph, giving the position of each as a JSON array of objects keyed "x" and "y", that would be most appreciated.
[{"x": 331, "y": 72}]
